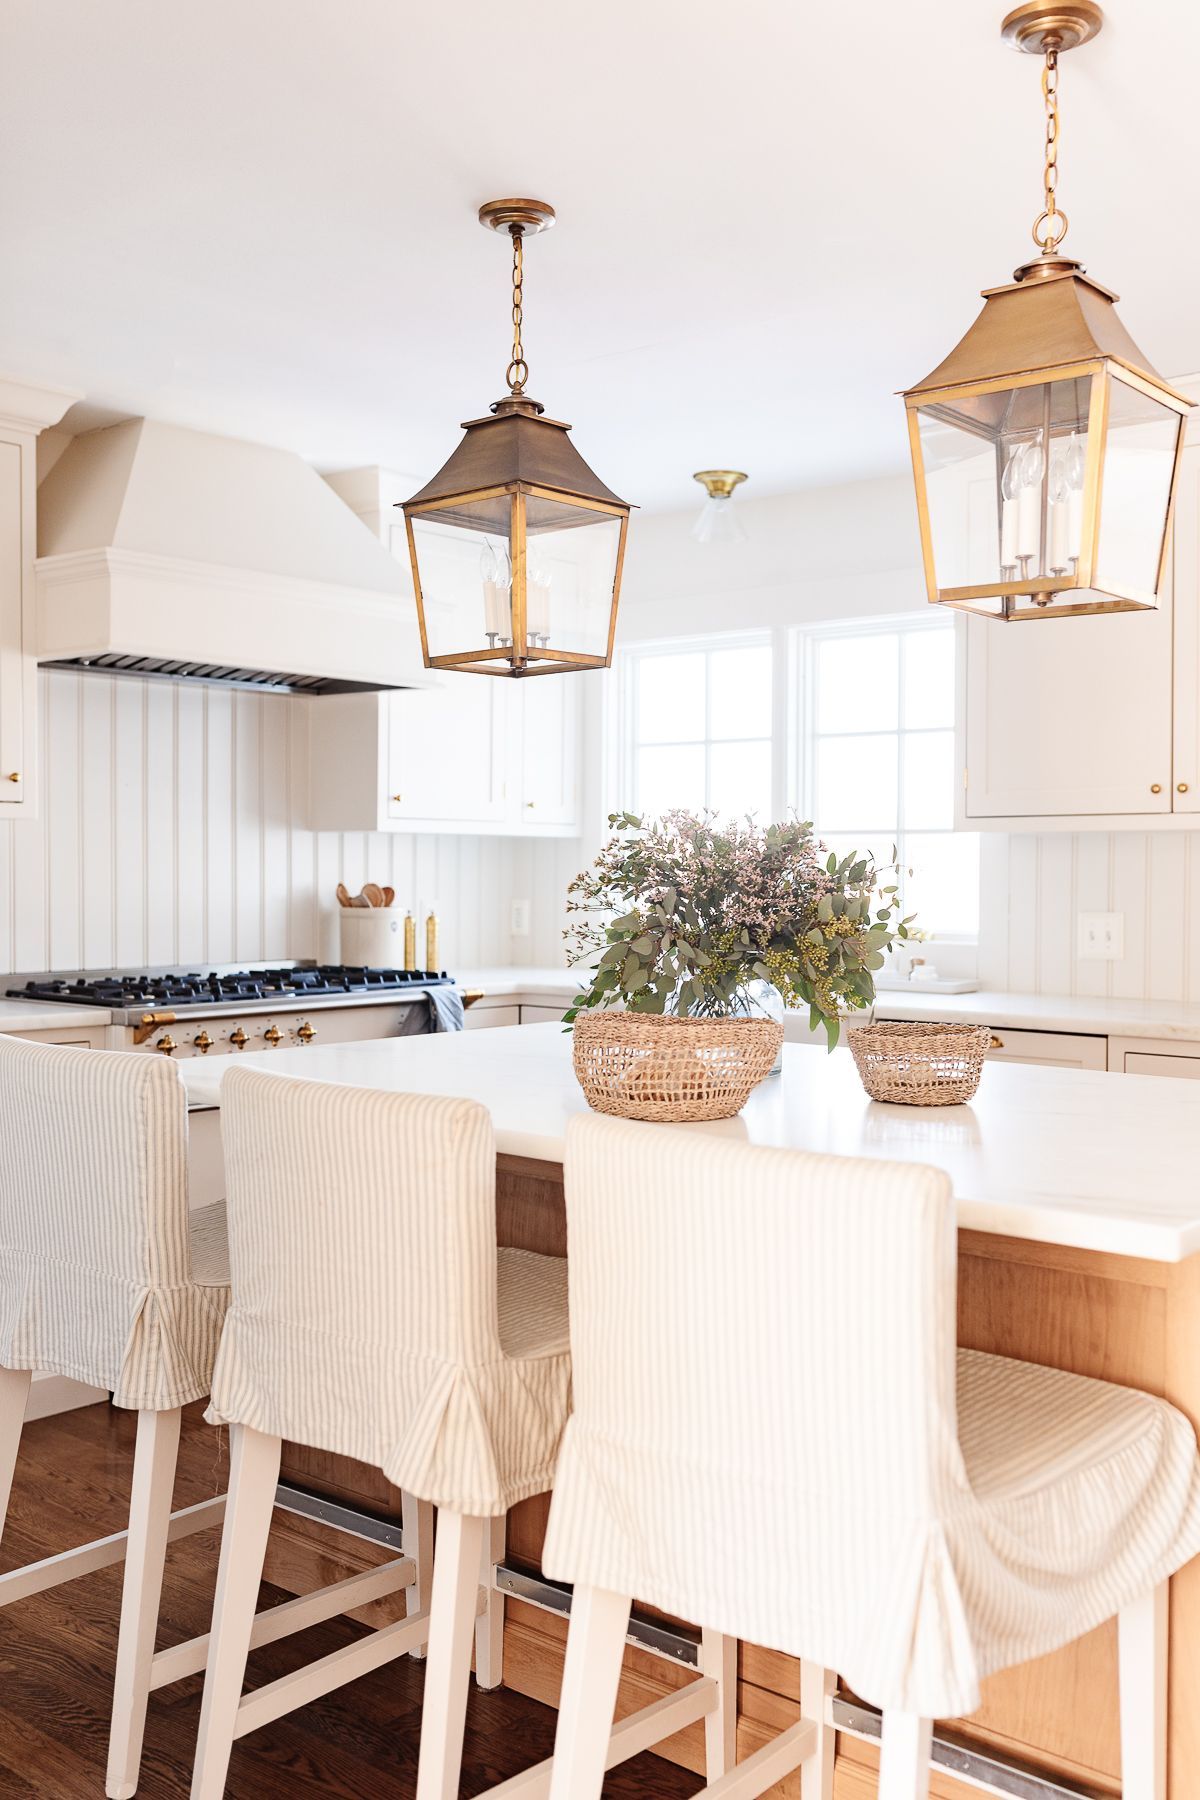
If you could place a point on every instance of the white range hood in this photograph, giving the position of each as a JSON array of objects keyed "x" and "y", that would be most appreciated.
[{"x": 172, "y": 553}]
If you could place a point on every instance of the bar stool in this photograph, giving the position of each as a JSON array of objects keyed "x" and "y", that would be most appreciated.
[
  {"x": 774, "y": 1433},
  {"x": 374, "y": 1317},
  {"x": 106, "y": 1279}
]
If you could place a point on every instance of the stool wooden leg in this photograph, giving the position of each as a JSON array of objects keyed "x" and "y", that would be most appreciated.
[
  {"x": 460, "y": 1541},
  {"x": 904, "y": 1763},
  {"x": 1142, "y": 1656},
  {"x": 489, "y": 1626},
  {"x": 14, "y": 1393},
  {"x": 718, "y": 1658},
  {"x": 591, "y": 1676},
  {"x": 253, "y": 1477},
  {"x": 417, "y": 1533},
  {"x": 817, "y": 1687},
  {"x": 154, "y": 1459}
]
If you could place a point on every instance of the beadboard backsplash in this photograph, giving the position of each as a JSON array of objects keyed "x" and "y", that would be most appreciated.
[
  {"x": 172, "y": 830},
  {"x": 1034, "y": 885}
]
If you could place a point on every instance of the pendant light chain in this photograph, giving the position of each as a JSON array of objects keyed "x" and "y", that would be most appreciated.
[
  {"x": 1053, "y": 219},
  {"x": 517, "y": 373}
]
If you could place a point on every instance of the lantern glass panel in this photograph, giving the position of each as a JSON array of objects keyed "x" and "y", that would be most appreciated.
[
  {"x": 1139, "y": 463},
  {"x": 571, "y": 567},
  {"x": 464, "y": 560},
  {"x": 1004, "y": 483}
]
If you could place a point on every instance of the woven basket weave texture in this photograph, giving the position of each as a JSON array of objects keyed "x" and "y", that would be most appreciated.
[
  {"x": 647, "y": 1066},
  {"x": 920, "y": 1065}
]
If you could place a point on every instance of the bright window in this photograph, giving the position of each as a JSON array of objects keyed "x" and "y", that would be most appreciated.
[
  {"x": 874, "y": 706},
  {"x": 696, "y": 727}
]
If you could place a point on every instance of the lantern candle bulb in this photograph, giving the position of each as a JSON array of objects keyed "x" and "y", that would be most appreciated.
[
  {"x": 495, "y": 571},
  {"x": 538, "y": 603},
  {"x": 1029, "y": 515}
]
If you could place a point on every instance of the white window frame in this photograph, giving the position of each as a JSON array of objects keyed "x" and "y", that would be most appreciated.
[
  {"x": 627, "y": 668},
  {"x": 802, "y": 717}
]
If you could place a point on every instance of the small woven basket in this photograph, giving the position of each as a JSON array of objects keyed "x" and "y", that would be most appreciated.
[
  {"x": 920, "y": 1065},
  {"x": 651, "y": 1066}
]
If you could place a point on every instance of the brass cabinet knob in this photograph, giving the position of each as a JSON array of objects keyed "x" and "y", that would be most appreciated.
[
  {"x": 1156, "y": 787},
  {"x": 237, "y": 1038},
  {"x": 202, "y": 1042},
  {"x": 165, "y": 1045},
  {"x": 398, "y": 799},
  {"x": 15, "y": 776},
  {"x": 531, "y": 803},
  {"x": 306, "y": 1032},
  {"x": 995, "y": 1043},
  {"x": 272, "y": 1034},
  {"x": 1182, "y": 788}
]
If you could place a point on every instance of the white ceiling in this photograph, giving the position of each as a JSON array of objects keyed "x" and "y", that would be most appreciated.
[{"x": 257, "y": 216}]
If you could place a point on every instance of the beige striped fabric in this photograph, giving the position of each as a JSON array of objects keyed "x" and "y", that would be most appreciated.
[
  {"x": 373, "y": 1315},
  {"x": 104, "y": 1277},
  {"x": 775, "y": 1436}
]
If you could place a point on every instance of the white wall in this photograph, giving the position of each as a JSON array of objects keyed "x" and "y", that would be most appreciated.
[
  {"x": 851, "y": 552},
  {"x": 172, "y": 831}
]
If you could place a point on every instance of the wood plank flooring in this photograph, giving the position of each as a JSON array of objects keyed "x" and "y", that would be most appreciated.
[{"x": 57, "y": 1650}]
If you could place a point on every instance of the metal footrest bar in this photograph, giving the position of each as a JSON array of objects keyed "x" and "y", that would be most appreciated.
[
  {"x": 668, "y": 1641},
  {"x": 984, "y": 1769},
  {"x": 310, "y": 1505}
]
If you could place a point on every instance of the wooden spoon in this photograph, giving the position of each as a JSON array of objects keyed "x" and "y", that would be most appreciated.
[
  {"x": 389, "y": 896},
  {"x": 343, "y": 894},
  {"x": 373, "y": 892}
]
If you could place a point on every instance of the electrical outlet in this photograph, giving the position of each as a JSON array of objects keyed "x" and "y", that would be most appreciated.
[
  {"x": 1101, "y": 937},
  {"x": 520, "y": 918}
]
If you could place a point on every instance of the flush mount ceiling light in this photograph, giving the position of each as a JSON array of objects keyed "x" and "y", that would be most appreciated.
[
  {"x": 516, "y": 545},
  {"x": 1045, "y": 448},
  {"x": 718, "y": 523}
]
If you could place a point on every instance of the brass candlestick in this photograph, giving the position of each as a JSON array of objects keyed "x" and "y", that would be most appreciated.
[
  {"x": 410, "y": 941},
  {"x": 431, "y": 944}
]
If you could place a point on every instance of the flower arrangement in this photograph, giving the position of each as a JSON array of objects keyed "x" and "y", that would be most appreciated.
[{"x": 684, "y": 915}]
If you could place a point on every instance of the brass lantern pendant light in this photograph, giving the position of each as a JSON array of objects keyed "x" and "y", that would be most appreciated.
[
  {"x": 1045, "y": 448},
  {"x": 516, "y": 545}
]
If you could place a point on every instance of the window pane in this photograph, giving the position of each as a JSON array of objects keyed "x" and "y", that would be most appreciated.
[
  {"x": 741, "y": 693},
  {"x": 671, "y": 776},
  {"x": 943, "y": 889},
  {"x": 929, "y": 677},
  {"x": 857, "y": 682},
  {"x": 671, "y": 698},
  {"x": 740, "y": 781},
  {"x": 856, "y": 784},
  {"x": 928, "y": 780}
]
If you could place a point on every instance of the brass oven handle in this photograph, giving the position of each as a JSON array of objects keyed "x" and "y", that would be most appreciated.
[
  {"x": 202, "y": 1042},
  {"x": 306, "y": 1032},
  {"x": 165, "y": 1045},
  {"x": 272, "y": 1034},
  {"x": 471, "y": 995},
  {"x": 238, "y": 1038},
  {"x": 997, "y": 1043}
]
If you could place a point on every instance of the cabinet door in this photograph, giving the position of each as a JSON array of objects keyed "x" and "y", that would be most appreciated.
[
  {"x": 1142, "y": 1062},
  {"x": 549, "y": 707},
  {"x": 1057, "y": 1049},
  {"x": 1185, "y": 775},
  {"x": 447, "y": 753},
  {"x": 13, "y": 669},
  {"x": 1067, "y": 717}
]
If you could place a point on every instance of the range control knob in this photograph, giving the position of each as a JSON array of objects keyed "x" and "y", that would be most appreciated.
[
  {"x": 272, "y": 1035},
  {"x": 238, "y": 1038},
  {"x": 306, "y": 1032},
  {"x": 165, "y": 1045},
  {"x": 203, "y": 1042}
]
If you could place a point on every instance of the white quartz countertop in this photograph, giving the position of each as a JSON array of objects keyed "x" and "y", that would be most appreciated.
[
  {"x": 48, "y": 1015},
  {"x": 1061, "y": 1156},
  {"x": 501, "y": 983}
]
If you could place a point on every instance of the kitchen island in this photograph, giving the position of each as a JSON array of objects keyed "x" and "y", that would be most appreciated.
[{"x": 1079, "y": 1216}]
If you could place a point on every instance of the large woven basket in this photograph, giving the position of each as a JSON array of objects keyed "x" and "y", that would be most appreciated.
[
  {"x": 646, "y": 1066},
  {"x": 920, "y": 1065}
]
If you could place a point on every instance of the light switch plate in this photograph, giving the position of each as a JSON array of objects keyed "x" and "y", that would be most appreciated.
[
  {"x": 1101, "y": 937},
  {"x": 520, "y": 918}
]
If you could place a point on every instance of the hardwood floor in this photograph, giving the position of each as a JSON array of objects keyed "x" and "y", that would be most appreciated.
[{"x": 57, "y": 1650}]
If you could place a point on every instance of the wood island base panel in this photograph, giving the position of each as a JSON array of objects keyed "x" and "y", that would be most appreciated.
[{"x": 1117, "y": 1318}]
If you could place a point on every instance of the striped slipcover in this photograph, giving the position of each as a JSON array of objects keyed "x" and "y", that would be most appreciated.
[
  {"x": 104, "y": 1275},
  {"x": 373, "y": 1316},
  {"x": 775, "y": 1436}
]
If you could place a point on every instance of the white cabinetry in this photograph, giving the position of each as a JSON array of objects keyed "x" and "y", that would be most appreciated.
[
  {"x": 24, "y": 412},
  {"x": 1056, "y": 1049},
  {"x": 1090, "y": 722},
  {"x": 478, "y": 754}
]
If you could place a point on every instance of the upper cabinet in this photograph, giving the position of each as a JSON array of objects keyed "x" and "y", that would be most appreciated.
[
  {"x": 481, "y": 754},
  {"x": 1089, "y": 722},
  {"x": 24, "y": 412}
]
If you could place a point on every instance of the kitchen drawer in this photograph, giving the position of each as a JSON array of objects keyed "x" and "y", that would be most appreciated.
[
  {"x": 1173, "y": 1057},
  {"x": 1061, "y": 1050},
  {"x": 82, "y": 1038},
  {"x": 482, "y": 1017},
  {"x": 543, "y": 1015}
]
